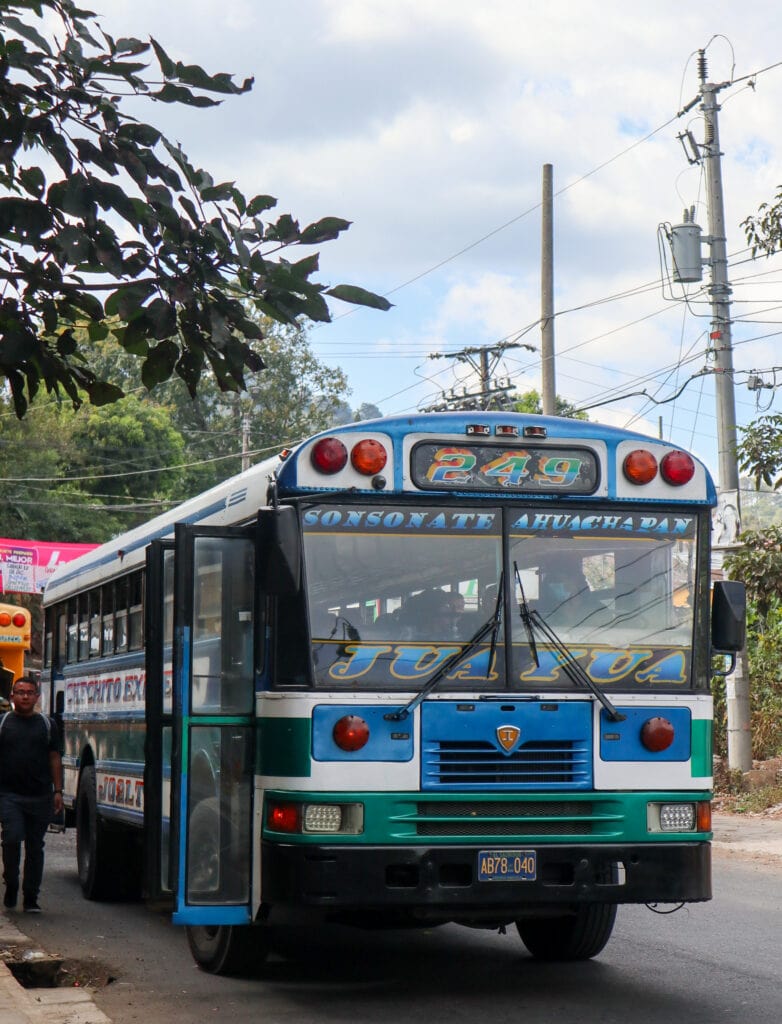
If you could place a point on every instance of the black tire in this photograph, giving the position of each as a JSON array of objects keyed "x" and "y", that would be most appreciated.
[
  {"x": 94, "y": 851},
  {"x": 577, "y": 936},
  {"x": 228, "y": 949}
]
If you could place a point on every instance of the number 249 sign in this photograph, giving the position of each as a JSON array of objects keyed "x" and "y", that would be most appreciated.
[{"x": 493, "y": 467}]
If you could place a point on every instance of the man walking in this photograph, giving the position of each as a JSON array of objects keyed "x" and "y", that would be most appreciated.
[{"x": 30, "y": 768}]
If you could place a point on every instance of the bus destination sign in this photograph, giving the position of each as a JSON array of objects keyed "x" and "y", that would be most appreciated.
[{"x": 491, "y": 467}]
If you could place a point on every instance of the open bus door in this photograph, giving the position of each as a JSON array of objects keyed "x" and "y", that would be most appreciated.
[{"x": 210, "y": 724}]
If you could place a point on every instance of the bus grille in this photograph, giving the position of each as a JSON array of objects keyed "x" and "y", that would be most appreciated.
[
  {"x": 538, "y": 763},
  {"x": 563, "y": 818}
]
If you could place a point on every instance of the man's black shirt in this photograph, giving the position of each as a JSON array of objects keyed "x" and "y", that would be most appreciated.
[{"x": 25, "y": 745}]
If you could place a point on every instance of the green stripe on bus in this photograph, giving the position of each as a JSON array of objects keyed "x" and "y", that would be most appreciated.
[
  {"x": 284, "y": 746},
  {"x": 700, "y": 764}
]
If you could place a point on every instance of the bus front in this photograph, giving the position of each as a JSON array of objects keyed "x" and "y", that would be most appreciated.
[{"x": 491, "y": 698}]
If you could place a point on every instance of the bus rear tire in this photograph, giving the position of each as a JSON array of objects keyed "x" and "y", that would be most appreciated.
[
  {"x": 97, "y": 870},
  {"x": 228, "y": 949},
  {"x": 578, "y": 936}
]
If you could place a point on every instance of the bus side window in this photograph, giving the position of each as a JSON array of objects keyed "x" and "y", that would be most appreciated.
[
  {"x": 107, "y": 611},
  {"x": 136, "y": 611},
  {"x": 121, "y": 615},
  {"x": 95, "y": 623},
  {"x": 84, "y": 628},
  {"x": 61, "y": 646},
  {"x": 73, "y": 631}
]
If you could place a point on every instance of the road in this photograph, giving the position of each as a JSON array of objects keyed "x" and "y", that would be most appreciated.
[{"x": 706, "y": 964}]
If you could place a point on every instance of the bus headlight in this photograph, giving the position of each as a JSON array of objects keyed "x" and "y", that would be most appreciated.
[
  {"x": 335, "y": 818},
  {"x": 679, "y": 817}
]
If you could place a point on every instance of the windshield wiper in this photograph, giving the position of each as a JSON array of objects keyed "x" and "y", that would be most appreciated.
[
  {"x": 491, "y": 625},
  {"x": 526, "y": 617},
  {"x": 572, "y": 668}
]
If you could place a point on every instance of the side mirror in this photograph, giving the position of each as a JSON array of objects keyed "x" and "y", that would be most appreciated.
[
  {"x": 279, "y": 551},
  {"x": 728, "y": 616}
]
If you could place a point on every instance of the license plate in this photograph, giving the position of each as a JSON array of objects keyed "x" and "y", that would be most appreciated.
[{"x": 507, "y": 865}]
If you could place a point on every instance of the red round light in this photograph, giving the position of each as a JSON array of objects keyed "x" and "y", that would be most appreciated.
[
  {"x": 19, "y": 620},
  {"x": 677, "y": 468},
  {"x": 368, "y": 457},
  {"x": 657, "y": 734},
  {"x": 351, "y": 733},
  {"x": 329, "y": 455},
  {"x": 283, "y": 817},
  {"x": 640, "y": 466},
  {"x": 5, "y": 619}
]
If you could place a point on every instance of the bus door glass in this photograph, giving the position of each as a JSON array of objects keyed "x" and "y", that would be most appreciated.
[
  {"x": 213, "y": 719},
  {"x": 159, "y": 629}
]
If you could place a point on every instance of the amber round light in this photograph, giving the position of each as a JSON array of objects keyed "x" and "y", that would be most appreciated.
[
  {"x": 329, "y": 455},
  {"x": 368, "y": 457},
  {"x": 677, "y": 468},
  {"x": 640, "y": 466},
  {"x": 5, "y": 619},
  {"x": 351, "y": 733},
  {"x": 657, "y": 734}
]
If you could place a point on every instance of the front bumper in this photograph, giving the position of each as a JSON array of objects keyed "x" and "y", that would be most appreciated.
[{"x": 443, "y": 882}]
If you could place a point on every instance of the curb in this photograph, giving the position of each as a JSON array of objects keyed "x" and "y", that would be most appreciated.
[{"x": 20, "y": 1005}]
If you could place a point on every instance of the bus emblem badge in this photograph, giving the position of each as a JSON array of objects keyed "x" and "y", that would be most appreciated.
[{"x": 508, "y": 736}]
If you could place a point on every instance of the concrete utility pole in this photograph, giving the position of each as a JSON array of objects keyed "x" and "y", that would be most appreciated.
[
  {"x": 737, "y": 684},
  {"x": 492, "y": 392},
  {"x": 548, "y": 389}
]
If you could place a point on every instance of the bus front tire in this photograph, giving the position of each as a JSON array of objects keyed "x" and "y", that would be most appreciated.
[
  {"x": 577, "y": 936},
  {"x": 227, "y": 949}
]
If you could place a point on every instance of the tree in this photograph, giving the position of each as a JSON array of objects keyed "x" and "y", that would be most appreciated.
[
  {"x": 367, "y": 411},
  {"x": 530, "y": 401},
  {"x": 105, "y": 225}
]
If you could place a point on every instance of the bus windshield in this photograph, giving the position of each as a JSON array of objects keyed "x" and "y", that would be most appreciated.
[{"x": 395, "y": 591}]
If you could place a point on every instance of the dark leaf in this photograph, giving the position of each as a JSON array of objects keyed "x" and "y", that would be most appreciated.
[
  {"x": 33, "y": 181},
  {"x": 27, "y": 31},
  {"x": 165, "y": 62},
  {"x": 359, "y": 296},
  {"x": 159, "y": 364},
  {"x": 103, "y": 393},
  {"x": 260, "y": 203},
  {"x": 324, "y": 230},
  {"x": 178, "y": 94}
]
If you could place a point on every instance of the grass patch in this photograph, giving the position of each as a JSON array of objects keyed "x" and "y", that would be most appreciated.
[{"x": 753, "y": 800}]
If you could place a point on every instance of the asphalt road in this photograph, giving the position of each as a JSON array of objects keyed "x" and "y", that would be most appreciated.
[{"x": 705, "y": 964}]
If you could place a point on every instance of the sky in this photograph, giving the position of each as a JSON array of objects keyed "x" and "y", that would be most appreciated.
[{"x": 427, "y": 124}]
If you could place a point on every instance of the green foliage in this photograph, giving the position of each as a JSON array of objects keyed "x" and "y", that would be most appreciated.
[
  {"x": 531, "y": 402},
  {"x": 758, "y": 564},
  {"x": 93, "y": 201},
  {"x": 760, "y": 451},
  {"x": 764, "y": 231}
]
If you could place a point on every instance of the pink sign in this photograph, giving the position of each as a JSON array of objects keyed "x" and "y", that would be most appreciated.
[{"x": 26, "y": 565}]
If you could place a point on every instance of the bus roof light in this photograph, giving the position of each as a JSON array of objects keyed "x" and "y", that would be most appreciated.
[
  {"x": 368, "y": 457},
  {"x": 640, "y": 466},
  {"x": 677, "y": 468},
  {"x": 329, "y": 455},
  {"x": 479, "y": 429},
  {"x": 506, "y": 430},
  {"x": 535, "y": 432}
]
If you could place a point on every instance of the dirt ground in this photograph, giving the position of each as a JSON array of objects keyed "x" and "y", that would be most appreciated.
[{"x": 756, "y": 792}]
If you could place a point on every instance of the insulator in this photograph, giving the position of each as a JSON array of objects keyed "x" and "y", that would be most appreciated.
[{"x": 702, "y": 65}]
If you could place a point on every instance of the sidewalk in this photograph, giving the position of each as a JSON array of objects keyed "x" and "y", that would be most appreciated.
[
  {"x": 752, "y": 835},
  {"x": 20, "y": 1005}
]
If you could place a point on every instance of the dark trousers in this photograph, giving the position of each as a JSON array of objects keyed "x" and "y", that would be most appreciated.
[{"x": 24, "y": 819}]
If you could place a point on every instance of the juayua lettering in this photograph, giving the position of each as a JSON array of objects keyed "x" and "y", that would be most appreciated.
[{"x": 416, "y": 662}]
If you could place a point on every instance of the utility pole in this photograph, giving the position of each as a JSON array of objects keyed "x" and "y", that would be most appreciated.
[
  {"x": 737, "y": 683},
  {"x": 492, "y": 392},
  {"x": 548, "y": 388}
]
